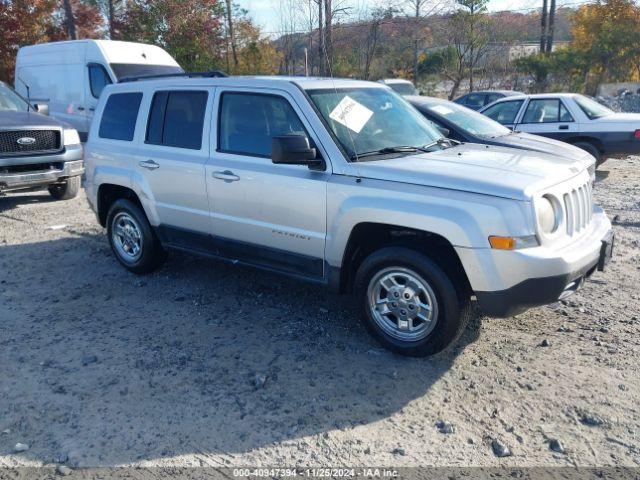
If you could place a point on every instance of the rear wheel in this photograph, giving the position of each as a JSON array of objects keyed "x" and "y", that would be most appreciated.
[
  {"x": 67, "y": 190},
  {"x": 409, "y": 303},
  {"x": 591, "y": 148},
  {"x": 132, "y": 239}
]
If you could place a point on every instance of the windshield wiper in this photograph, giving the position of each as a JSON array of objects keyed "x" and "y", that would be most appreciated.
[
  {"x": 443, "y": 142},
  {"x": 387, "y": 150}
]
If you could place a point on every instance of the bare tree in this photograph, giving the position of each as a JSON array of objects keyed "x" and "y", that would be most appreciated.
[
  {"x": 69, "y": 20},
  {"x": 232, "y": 38}
]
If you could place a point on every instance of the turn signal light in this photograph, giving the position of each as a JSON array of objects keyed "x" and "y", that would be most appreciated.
[{"x": 502, "y": 243}]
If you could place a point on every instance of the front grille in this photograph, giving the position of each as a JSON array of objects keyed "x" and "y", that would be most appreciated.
[
  {"x": 578, "y": 206},
  {"x": 17, "y": 142}
]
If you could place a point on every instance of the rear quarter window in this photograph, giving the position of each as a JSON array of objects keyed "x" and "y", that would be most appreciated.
[{"x": 119, "y": 116}]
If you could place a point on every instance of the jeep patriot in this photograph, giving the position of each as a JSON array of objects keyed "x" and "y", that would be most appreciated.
[{"x": 344, "y": 184}]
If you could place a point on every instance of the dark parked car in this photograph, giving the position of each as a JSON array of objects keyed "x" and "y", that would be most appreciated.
[
  {"x": 464, "y": 125},
  {"x": 36, "y": 151},
  {"x": 477, "y": 100}
]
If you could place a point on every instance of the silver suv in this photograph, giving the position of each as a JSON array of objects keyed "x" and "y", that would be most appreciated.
[{"x": 341, "y": 183}]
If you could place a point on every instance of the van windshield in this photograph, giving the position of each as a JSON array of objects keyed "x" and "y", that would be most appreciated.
[
  {"x": 368, "y": 120},
  {"x": 127, "y": 70},
  {"x": 11, "y": 101}
]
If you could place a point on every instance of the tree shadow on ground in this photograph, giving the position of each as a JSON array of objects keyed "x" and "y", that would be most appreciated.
[{"x": 106, "y": 367}]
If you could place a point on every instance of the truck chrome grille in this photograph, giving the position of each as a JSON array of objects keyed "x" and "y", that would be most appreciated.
[
  {"x": 19, "y": 142},
  {"x": 578, "y": 207}
]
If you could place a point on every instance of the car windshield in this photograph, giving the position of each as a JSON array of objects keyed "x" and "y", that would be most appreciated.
[
  {"x": 591, "y": 108},
  {"x": 468, "y": 120},
  {"x": 366, "y": 120},
  {"x": 128, "y": 70},
  {"x": 403, "y": 88},
  {"x": 11, "y": 101}
]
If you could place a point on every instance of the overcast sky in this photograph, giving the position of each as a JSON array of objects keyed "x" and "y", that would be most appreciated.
[{"x": 264, "y": 12}]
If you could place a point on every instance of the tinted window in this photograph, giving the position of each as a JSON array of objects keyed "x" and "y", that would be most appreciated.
[
  {"x": 404, "y": 88},
  {"x": 119, "y": 117},
  {"x": 249, "y": 121},
  {"x": 127, "y": 70},
  {"x": 98, "y": 79},
  {"x": 475, "y": 100},
  {"x": 546, "y": 110},
  {"x": 176, "y": 119},
  {"x": 492, "y": 97},
  {"x": 504, "y": 112}
]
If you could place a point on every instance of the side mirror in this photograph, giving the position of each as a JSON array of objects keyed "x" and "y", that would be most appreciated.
[
  {"x": 41, "y": 108},
  {"x": 293, "y": 150},
  {"x": 444, "y": 131}
]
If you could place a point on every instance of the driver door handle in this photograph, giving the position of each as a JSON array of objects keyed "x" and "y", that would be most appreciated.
[
  {"x": 149, "y": 164},
  {"x": 227, "y": 176},
  {"x": 563, "y": 127}
]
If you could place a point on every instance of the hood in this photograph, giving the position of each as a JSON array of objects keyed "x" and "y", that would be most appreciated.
[
  {"x": 489, "y": 170},
  {"x": 545, "y": 145},
  {"x": 620, "y": 117},
  {"x": 25, "y": 120}
]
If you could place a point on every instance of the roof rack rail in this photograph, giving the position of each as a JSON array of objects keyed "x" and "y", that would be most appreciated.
[{"x": 210, "y": 74}]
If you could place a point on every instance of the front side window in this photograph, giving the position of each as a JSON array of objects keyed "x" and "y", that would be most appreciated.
[
  {"x": 176, "y": 119},
  {"x": 366, "y": 120},
  {"x": 504, "y": 112},
  {"x": 546, "y": 110},
  {"x": 248, "y": 122},
  {"x": 98, "y": 79},
  {"x": 11, "y": 101},
  {"x": 119, "y": 116}
]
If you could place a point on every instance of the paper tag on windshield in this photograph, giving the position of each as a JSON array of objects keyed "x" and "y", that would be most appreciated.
[
  {"x": 441, "y": 109},
  {"x": 351, "y": 114}
]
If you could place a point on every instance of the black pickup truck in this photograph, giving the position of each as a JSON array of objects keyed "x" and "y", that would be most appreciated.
[{"x": 36, "y": 151}]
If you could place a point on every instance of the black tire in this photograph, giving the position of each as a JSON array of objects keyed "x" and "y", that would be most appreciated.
[
  {"x": 591, "y": 148},
  {"x": 151, "y": 255},
  {"x": 453, "y": 306},
  {"x": 67, "y": 190}
]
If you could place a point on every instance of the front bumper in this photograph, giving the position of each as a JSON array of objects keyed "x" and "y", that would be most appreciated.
[
  {"x": 534, "y": 292},
  {"x": 71, "y": 163},
  {"x": 509, "y": 282}
]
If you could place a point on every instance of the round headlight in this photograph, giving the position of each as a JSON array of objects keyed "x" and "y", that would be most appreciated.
[{"x": 547, "y": 217}]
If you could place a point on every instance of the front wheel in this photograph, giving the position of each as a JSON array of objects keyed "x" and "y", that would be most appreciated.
[
  {"x": 409, "y": 303},
  {"x": 132, "y": 239},
  {"x": 67, "y": 190}
]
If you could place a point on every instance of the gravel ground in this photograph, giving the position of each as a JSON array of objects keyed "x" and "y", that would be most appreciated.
[{"x": 203, "y": 363}]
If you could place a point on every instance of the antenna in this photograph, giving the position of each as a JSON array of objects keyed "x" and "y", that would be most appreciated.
[{"x": 28, "y": 94}]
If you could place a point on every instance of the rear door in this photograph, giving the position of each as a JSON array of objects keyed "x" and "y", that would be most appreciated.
[
  {"x": 262, "y": 213},
  {"x": 548, "y": 117},
  {"x": 172, "y": 156},
  {"x": 505, "y": 113}
]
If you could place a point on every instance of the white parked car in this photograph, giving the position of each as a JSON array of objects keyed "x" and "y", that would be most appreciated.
[
  {"x": 68, "y": 77},
  {"x": 572, "y": 118},
  {"x": 341, "y": 183}
]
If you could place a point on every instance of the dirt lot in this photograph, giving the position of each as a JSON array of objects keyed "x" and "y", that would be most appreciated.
[{"x": 207, "y": 364}]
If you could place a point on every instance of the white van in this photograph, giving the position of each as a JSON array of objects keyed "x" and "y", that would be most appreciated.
[{"x": 69, "y": 76}]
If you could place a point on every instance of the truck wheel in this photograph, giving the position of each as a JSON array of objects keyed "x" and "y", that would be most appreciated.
[
  {"x": 591, "y": 148},
  {"x": 409, "y": 303},
  {"x": 132, "y": 239},
  {"x": 67, "y": 190}
]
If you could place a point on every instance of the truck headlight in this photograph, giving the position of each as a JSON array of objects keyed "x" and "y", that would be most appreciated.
[
  {"x": 547, "y": 214},
  {"x": 71, "y": 137}
]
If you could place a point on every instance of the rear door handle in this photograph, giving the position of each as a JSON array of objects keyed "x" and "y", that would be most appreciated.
[
  {"x": 227, "y": 176},
  {"x": 149, "y": 164},
  {"x": 563, "y": 127},
  {"x": 81, "y": 109}
]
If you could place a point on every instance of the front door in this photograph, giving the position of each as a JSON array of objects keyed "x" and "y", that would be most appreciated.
[
  {"x": 548, "y": 117},
  {"x": 262, "y": 213}
]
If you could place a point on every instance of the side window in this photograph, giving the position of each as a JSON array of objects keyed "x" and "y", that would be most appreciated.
[
  {"x": 504, "y": 112},
  {"x": 98, "y": 79},
  {"x": 176, "y": 119},
  {"x": 546, "y": 110},
  {"x": 475, "y": 100},
  {"x": 119, "y": 116},
  {"x": 248, "y": 122}
]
